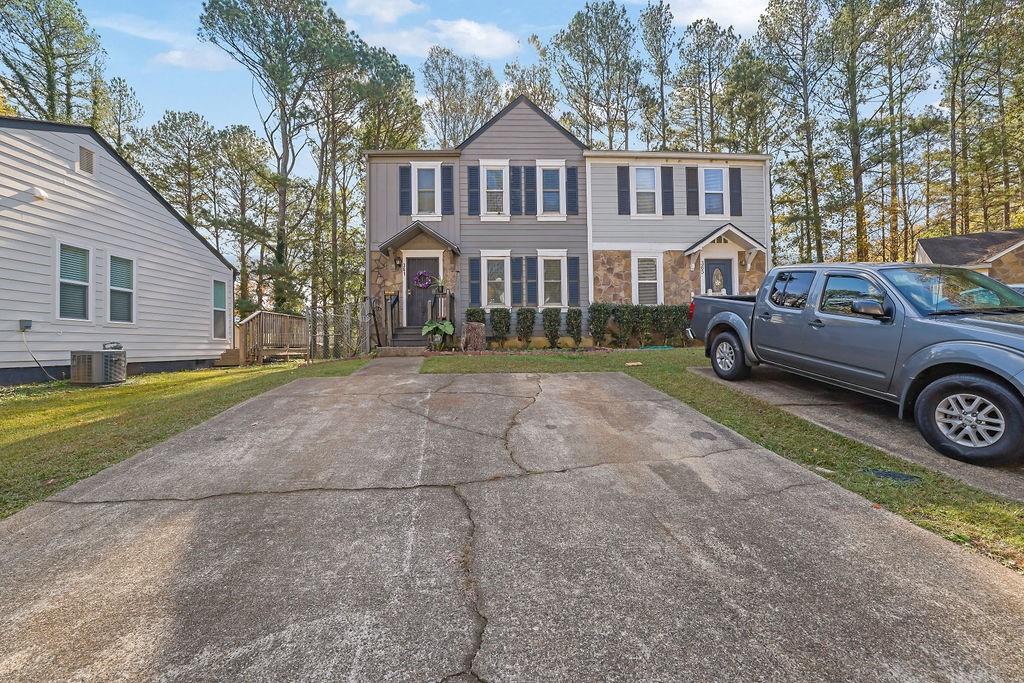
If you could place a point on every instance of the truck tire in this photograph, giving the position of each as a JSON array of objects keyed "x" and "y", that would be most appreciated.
[
  {"x": 727, "y": 357},
  {"x": 972, "y": 418}
]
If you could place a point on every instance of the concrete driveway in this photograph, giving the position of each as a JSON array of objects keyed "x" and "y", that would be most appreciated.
[{"x": 507, "y": 527}]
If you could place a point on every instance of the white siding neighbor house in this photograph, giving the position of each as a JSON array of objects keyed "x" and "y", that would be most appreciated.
[{"x": 91, "y": 253}]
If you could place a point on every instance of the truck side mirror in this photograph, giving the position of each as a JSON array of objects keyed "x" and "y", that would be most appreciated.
[{"x": 868, "y": 307}]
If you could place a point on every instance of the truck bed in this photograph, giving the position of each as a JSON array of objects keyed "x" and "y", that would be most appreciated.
[{"x": 707, "y": 307}]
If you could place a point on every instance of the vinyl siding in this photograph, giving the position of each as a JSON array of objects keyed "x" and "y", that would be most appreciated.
[
  {"x": 110, "y": 213},
  {"x": 679, "y": 230},
  {"x": 385, "y": 222}
]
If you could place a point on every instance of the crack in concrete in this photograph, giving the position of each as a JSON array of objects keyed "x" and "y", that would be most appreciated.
[
  {"x": 480, "y": 620},
  {"x": 512, "y": 425}
]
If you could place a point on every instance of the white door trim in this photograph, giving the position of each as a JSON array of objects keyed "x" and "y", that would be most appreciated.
[{"x": 417, "y": 253}]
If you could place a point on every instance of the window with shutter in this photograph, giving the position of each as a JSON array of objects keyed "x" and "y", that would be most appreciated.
[
  {"x": 551, "y": 180},
  {"x": 74, "y": 271},
  {"x": 220, "y": 311},
  {"x": 495, "y": 180},
  {"x": 121, "y": 307},
  {"x": 426, "y": 190},
  {"x": 645, "y": 191},
  {"x": 713, "y": 192}
]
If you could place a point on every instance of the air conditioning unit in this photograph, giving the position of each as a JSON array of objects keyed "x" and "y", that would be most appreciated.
[{"x": 109, "y": 366}]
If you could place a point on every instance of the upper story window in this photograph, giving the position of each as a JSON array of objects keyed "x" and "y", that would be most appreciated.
[
  {"x": 426, "y": 189},
  {"x": 713, "y": 188},
  {"x": 646, "y": 200},
  {"x": 74, "y": 271},
  {"x": 551, "y": 181},
  {"x": 495, "y": 179}
]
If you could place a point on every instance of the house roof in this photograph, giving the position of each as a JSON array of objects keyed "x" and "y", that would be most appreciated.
[
  {"x": 669, "y": 154},
  {"x": 415, "y": 229},
  {"x": 740, "y": 236},
  {"x": 33, "y": 124},
  {"x": 978, "y": 247},
  {"x": 509, "y": 107}
]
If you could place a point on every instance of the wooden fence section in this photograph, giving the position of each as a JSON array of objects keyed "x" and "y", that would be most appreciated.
[{"x": 266, "y": 334}]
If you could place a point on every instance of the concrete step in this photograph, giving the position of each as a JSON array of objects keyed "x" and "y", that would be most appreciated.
[{"x": 394, "y": 351}]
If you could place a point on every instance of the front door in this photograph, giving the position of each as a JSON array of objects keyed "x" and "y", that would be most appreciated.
[
  {"x": 417, "y": 299},
  {"x": 718, "y": 275}
]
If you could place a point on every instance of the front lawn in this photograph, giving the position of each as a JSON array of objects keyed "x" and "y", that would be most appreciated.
[
  {"x": 52, "y": 435},
  {"x": 989, "y": 524}
]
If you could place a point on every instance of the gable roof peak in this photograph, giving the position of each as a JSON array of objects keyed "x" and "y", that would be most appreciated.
[{"x": 521, "y": 99}]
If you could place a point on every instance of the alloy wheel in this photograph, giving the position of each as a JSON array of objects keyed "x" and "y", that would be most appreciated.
[{"x": 969, "y": 420}]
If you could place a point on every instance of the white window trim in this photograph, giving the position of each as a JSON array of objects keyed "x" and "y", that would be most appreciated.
[
  {"x": 725, "y": 192},
  {"x": 503, "y": 166},
  {"x": 89, "y": 303},
  {"x": 134, "y": 290},
  {"x": 504, "y": 255},
  {"x": 560, "y": 255},
  {"x": 417, "y": 253},
  {"x": 658, "y": 256},
  {"x": 227, "y": 307},
  {"x": 633, "y": 190},
  {"x": 436, "y": 214},
  {"x": 551, "y": 164}
]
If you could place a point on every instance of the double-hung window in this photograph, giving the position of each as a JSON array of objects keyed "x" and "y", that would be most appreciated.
[
  {"x": 496, "y": 282},
  {"x": 121, "y": 304},
  {"x": 73, "y": 287},
  {"x": 551, "y": 181},
  {"x": 647, "y": 279},
  {"x": 554, "y": 284},
  {"x": 426, "y": 178},
  {"x": 220, "y": 309},
  {"x": 494, "y": 176},
  {"x": 646, "y": 182},
  {"x": 713, "y": 188}
]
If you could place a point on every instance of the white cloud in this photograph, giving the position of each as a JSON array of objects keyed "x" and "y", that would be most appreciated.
[
  {"x": 464, "y": 36},
  {"x": 384, "y": 11},
  {"x": 185, "y": 51},
  {"x": 742, "y": 15}
]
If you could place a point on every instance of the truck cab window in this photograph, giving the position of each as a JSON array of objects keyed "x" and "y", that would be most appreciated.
[
  {"x": 841, "y": 291},
  {"x": 790, "y": 289}
]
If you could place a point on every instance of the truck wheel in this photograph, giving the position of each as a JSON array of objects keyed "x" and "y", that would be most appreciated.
[
  {"x": 727, "y": 357},
  {"x": 972, "y": 418}
]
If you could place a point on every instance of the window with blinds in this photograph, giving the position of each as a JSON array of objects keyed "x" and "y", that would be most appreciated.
[
  {"x": 73, "y": 297},
  {"x": 122, "y": 290},
  {"x": 220, "y": 310},
  {"x": 647, "y": 281},
  {"x": 86, "y": 160}
]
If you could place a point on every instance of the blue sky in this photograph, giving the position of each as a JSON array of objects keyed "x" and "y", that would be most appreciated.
[{"x": 154, "y": 46}]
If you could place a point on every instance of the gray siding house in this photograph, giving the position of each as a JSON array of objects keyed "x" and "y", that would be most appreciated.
[{"x": 91, "y": 253}]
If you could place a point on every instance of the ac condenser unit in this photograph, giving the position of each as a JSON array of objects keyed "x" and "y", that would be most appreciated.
[{"x": 109, "y": 366}]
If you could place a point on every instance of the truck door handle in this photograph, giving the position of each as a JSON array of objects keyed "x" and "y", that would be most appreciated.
[
  {"x": 766, "y": 316},
  {"x": 816, "y": 324}
]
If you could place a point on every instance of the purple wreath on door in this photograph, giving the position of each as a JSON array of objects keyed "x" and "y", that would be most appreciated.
[{"x": 423, "y": 280}]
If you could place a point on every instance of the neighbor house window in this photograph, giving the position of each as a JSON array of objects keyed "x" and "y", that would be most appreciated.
[
  {"x": 713, "y": 198},
  {"x": 645, "y": 191},
  {"x": 553, "y": 280},
  {"x": 551, "y": 181},
  {"x": 497, "y": 289},
  {"x": 122, "y": 290},
  {"x": 426, "y": 180},
  {"x": 75, "y": 264},
  {"x": 220, "y": 309},
  {"x": 495, "y": 188},
  {"x": 647, "y": 281}
]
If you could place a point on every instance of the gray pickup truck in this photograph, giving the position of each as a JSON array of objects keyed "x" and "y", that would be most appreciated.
[{"x": 944, "y": 344}]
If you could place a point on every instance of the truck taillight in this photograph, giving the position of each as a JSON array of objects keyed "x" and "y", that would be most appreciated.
[{"x": 693, "y": 305}]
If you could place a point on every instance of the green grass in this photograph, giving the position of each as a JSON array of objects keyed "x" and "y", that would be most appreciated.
[
  {"x": 990, "y": 525},
  {"x": 52, "y": 435}
]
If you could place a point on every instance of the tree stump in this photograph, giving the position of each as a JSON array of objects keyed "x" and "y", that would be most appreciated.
[{"x": 474, "y": 337}]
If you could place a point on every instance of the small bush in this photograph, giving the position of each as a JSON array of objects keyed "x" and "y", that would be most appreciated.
[
  {"x": 598, "y": 324},
  {"x": 644, "y": 319},
  {"x": 474, "y": 315},
  {"x": 501, "y": 320},
  {"x": 574, "y": 325},
  {"x": 552, "y": 319},
  {"x": 525, "y": 319}
]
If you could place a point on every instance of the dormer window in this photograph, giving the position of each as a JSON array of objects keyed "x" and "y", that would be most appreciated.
[
  {"x": 426, "y": 190},
  {"x": 86, "y": 161}
]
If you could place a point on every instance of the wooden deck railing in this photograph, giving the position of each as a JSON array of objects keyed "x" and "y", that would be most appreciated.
[{"x": 265, "y": 333}]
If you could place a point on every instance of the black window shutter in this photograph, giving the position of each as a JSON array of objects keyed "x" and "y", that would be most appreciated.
[
  {"x": 622, "y": 177},
  {"x": 517, "y": 281},
  {"x": 692, "y": 193},
  {"x": 735, "y": 192},
  {"x": 572, "y": 266},
  {"x": 668, "y": 192},
  {"x": 447, "y": 190},
  {"x": 515, "y": 190},
  {"x": 530, "y": 190},
  {"x": 531, "y": 280},
  {"x": 572, "y": 191},
  {"x": 473, "y": 183},
  {"x": 405, "y": 190},
  {"x": 474, "y": 282}
]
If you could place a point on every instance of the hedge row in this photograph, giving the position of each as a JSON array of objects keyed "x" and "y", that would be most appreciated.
[
  {"x": 526, "y": 318},
  {"x": 637, "y": 325}
]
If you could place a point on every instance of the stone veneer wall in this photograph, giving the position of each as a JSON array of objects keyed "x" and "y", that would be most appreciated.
[
  {"x": 384, "y": 277},
  {"x": 750, "y": 280},
  {"x": 679, "y": 280},
  {"x": 613, "y": 277},
  {"x": 1009, "y": 268}
]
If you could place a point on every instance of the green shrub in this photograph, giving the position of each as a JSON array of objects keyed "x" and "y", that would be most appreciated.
[
  {"x": 644, "y": 319},
  {"x": 475, "y": 315},
  {"x": 501, "y": 320},
  {"x": 525, "y": 318},
  {"x": 552, "y": 319},
  {"x": 625, "y": 317},
  {"x": 680, "y": 316},
  {"x": 599, "y": 315},
  {"x": 662, "y": 322},
  {"x": 574, "y": 325}
]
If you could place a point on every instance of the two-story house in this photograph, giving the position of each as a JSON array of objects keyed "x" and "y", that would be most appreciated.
[{"x": 523, "y": 214}]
